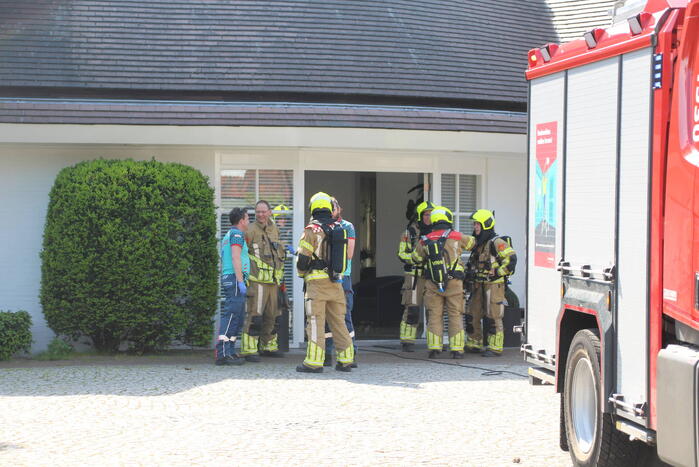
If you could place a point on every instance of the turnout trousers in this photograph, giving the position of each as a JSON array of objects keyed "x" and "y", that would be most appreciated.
[
  {"x": 349, "y": 300},
  {"x": 487, "y": 300},
  {"x": 262, "y": 319},
  {"x": 453, "y": 299},
  {"x": 412, "y": 301},
  {"x": 325, "y": 301}
]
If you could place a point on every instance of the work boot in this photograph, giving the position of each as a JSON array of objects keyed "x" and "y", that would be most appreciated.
[
  {"x": 254, "y": 358},
  {"x": 341, "y": 367},
  {"x": 272, "y": 353},
  {"x": 230, "y": 360},
  {"x": 328, "y": 360},
  {"x": 353, "y": 364},
  {"x": 434, "y": 354},
  {"x": 491, "y": 353},
  {"x": 475, "y": 350},
  {"x": 307, "y": 369},
  {"x": 407, "y": 347},
  {"x": 457, "y": 355}
]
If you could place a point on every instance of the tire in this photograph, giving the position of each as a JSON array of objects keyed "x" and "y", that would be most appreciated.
[{"x": 592, "y": 439}]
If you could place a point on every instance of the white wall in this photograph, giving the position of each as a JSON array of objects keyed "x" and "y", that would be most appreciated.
[
  {"x": 506, "y": 193},
  {"x": 32, "y": 155},
  {"x": 26, "y": 177}
]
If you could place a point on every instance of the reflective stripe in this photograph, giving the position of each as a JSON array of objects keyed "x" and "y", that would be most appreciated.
[
  {"x": 496, "y": 341},
  {"x": 249, "y": 345},
  {"x": 408, "y": 332},
  {"x": 314, "y": 330},
  {"x": 346, "y": 356},
  {"x": 472, "y": 344},
  {"x": 316, "y": 274},
  {"x": 306, "y": 245},
  {"x": 315, "y": 356},
  {"x": 272, "y": 345},
  {"x": 434, "y": 342},
  {"x": 259, "y": 298},
  {"x": 328, "y": 335},
  {"x": 456, "y": 342}
]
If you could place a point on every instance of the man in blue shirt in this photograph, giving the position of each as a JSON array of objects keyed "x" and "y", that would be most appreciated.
[
  {"x": 346, "y": 284},
  {"x": 235, "y": 264}
]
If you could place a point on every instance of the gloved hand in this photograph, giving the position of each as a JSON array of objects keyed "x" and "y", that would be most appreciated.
[
  {"x": 289, "y": 249},
  {"x": 407, "y": 267},
  {"x": 242, "y": 288}
]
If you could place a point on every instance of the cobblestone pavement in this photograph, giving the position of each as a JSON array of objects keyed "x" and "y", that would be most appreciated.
[{"x": 389, "y": 411}]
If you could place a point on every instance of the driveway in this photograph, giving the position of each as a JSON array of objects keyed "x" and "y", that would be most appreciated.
[{"x": 186, "y": 411}]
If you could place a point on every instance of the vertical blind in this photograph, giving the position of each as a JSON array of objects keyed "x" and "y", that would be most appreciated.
[
  {"x": 460, "y": 195},
  {"x": 243, "y": 188}
]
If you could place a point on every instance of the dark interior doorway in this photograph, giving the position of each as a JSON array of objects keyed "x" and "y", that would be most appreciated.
[{"x": 376, "y": 203}]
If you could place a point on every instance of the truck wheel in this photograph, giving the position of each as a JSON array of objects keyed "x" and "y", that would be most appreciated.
[{"x": 592, "y": 438}]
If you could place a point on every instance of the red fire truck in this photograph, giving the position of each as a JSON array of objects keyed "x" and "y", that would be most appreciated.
[{"x": 612, "y": 314}]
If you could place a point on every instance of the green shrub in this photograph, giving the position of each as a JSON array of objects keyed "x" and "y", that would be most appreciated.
[
  {"x": 58, "y": 349},
  {"x": 130, "y": 254},
  {"x": 15, "y": 334}
]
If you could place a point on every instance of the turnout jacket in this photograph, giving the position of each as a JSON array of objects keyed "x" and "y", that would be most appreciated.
[
  {"x": 311, "y": 248},
  {"x": 493, "y": 260},
  {"x": 455, "y": 244},
  {"x": 408, "y": 241},
  {"x": 267, "y": 253}
]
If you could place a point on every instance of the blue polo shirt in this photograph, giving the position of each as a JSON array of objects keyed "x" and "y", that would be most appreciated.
[
  {"x": 234, "y": 237},
  {"x": 349, "y": 227}
]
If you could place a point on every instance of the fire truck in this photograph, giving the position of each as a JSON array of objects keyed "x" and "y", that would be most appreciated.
[{"x": 612, "y": 312}]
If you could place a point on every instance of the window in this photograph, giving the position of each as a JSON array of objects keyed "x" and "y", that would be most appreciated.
[
  {"x": 243, "y": 188},
  {"x": 460, "y": 195}
]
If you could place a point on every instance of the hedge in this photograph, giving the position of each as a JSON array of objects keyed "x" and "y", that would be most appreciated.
[
  {"x": 130, "y": 255},
  {"x": 15, "y": 333}
]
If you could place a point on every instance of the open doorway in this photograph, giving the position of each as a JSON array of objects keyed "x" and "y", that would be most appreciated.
[{"x": 376, "y": 203}]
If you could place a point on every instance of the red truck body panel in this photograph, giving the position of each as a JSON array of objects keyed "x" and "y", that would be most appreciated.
[{"x": 671, "y": 27}]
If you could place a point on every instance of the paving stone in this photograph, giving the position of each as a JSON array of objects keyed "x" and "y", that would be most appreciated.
[{"x": 389, "y": 411}]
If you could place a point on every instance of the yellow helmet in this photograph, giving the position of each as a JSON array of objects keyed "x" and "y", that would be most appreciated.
[
  {"x": 441, "y": 214},
  {"x": 424, "y": 206},
  {"x": 485, "y": 218},
  {"x": 320, "y": 201},
  {"x": 277, "y": 211}
]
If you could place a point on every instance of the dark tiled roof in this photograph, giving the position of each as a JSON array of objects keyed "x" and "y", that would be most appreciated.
[
  {"x": 257, "y": 114},
  {"x": 460, "y": 50}
]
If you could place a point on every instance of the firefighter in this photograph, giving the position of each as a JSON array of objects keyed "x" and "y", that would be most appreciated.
[
  {"x": 440, "y": 254},
  {"x": 346, "y": 285},
  {"x": 493, "y": 260},
  {"x": 414, "y": 282},
  {"x": 267, "y": 255},
  {"x": 321, "y": 270},
  {"x": 280, "y": 214}
]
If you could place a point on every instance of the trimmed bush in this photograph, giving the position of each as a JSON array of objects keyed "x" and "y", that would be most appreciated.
[
  {"x": 130, "y": 255},
  {"x": 58, "y": 349},
  {"x": 15, "y": 334}
]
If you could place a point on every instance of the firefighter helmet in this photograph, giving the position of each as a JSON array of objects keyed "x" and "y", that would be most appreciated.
[
  {"x": 279, "y": 210},
  {"x": 485, "y": 218},
  {"x": 320, "y": 201},
  {"x": 424, "y": 206},
  {"x": 441, "y": 214}
]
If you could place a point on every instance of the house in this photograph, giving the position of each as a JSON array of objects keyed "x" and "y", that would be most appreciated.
[{"x": 365, "y": 100}]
